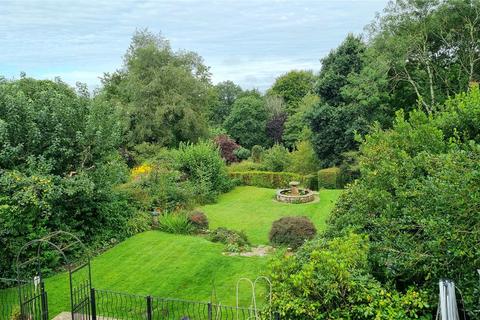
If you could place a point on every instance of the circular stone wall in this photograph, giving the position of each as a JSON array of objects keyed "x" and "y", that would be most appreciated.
[{"x": 284, "y": 196}]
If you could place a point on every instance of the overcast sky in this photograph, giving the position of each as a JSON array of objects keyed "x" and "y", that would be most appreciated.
[{"x": 249, "y": 42}]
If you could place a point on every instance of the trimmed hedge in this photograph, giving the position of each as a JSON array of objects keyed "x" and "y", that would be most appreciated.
[
  {"x": 270, "y": 179},
  {"x": 330, "y": 178}
]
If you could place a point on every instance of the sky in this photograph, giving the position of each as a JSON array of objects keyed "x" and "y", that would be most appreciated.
[{"x": 250, "y": 42}]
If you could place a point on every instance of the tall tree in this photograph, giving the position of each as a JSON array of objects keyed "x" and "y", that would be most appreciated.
[
  {"x": 292, "y": 87},
  {"x": 163, "y": 94},
  {"x": 227, "y": 92},
  {"x": 332, "y": 121},
  {"x": 247, "y": 121}
]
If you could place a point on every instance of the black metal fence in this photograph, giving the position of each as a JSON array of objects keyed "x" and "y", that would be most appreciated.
[{"x": 116, "y": 305}]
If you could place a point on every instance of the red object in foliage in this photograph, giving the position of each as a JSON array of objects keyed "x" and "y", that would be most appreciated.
[{"x": 227, "y": 147}]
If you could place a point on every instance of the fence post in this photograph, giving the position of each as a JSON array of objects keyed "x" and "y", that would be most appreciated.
[
  {"x": 210, "y": 315},
  {"x": 149, "y": 307},
  {"x": 93, "y": 304}
]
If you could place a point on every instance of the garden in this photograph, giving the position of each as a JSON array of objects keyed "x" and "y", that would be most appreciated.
[{"x": 179, "y": 187}]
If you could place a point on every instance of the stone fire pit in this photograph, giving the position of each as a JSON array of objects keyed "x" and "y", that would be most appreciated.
[{"x": 294, "y": 194}]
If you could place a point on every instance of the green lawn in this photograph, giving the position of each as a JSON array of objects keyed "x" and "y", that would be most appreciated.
[
  {"x": 164, "y": 265},
  {"x": 253, "y": 210},
  {"x": 189, "y": 267}
]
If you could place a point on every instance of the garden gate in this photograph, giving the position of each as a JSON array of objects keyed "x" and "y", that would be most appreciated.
[{"x": 31, "y": 288}]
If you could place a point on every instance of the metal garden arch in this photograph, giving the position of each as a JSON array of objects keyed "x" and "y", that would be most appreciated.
[{"x": 31, "y": 289}]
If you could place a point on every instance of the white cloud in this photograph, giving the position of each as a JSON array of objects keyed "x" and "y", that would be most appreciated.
[{"x": 260, "y": 39}]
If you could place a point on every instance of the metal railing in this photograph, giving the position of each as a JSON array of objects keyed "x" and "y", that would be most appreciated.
[{"x": 118, "y": 305}]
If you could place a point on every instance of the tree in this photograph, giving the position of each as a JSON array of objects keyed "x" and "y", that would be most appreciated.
[
  {"x": 292, "y": 87},
  {"x": 227, "y": 92},
  {"x": 416, "y": 199},
  {"x": 58, "y": 165},
  {"x": 246, "y": 123},
  {"x": 276, "y": 118},
  {"x": 332, "y": 121},
  {"x": 432, "y": 48},
  {"x": 337, "y": 66},
  {"x": 162, "y": 94},
  {"x": 296, "y": 127}
]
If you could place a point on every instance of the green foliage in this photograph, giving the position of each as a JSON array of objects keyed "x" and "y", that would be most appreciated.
[
  {"x": 277, "y": 158},
  {"x": 303, "y": 159},
  {"x": 247, "y": 121},
  {"x": 296, "y": 126},
  {"x": 227, "y": 93},
  {"x": 161, "y": 189},
  {"x": 418, "y": 193},
  {"x": 257, "y": 153},
  {"x": 337, "y": 66},
  {"x": 235, "y": 241},
  {"x": 329, "y": 178},
  {"x": 330, "y": 280},
  {"x": 291, "y": 232},
  {"x": 267, "y": 179},
  {"x": 205, "y": 170},
  {"x": 245, "y": 165},
  {"x": 349, "y": 169},
  {"x": 176, "y": 222},
  {"x": 161, "y": 94},
  {"x": 242, "y": 153},
  {"x": 58, "y": 167},
  {"x": 292, "y": 87}
]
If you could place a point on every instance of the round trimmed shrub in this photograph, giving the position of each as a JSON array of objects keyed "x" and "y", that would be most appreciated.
[
  {"x": 291, "y": 231},
  {"x": 242, "y": 153},
  {"x": 199, "y": 220}
]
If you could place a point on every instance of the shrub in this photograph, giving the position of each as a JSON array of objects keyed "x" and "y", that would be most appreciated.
[
  {"x": 267, "y": 179},
  {"x": 198, "y": 220},
  {"x": 176, "y": 222},
  {"x": 233, "y": 240},
  {"x": 329, "y": 279},
  {"x": 303, "y": 159},
  {"x": 277, "y": 158},
  {"x": 257, "y": 153},
  {"x": 291, "y": 231},
  {"x": 227, "y": 147},
  {"x": 242, "y": 153},
  {"x": 204, "y": 168},
  {"x": 329, "y": 178},
  {"x": 349, "y": 169},
  {"x": 245, "y": 165}
]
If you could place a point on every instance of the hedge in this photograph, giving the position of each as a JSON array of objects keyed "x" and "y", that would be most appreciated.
[
  {"x": 270, "y": 179},
  {"x": 330, "y": 178}
]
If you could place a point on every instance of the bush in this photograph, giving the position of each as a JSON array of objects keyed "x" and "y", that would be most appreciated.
[
  {"x": 198, "y": 220},
  {"x": 329, "y": 279},
  {"x": 245, "y": 165},
  {"x": 242, "y": 153},
  {"x": 303, "y": 159},
  {"x": 329, "y": 178},
  {"x": 205, "y": 169},
  {"x": 291, "y": 231},
  {"x": 227, "y": 147},
  {"x": 268, "y": 179},
  {"x": 349, "y": 169},
  {"x": 257, "y": 153},
  {"x": 176, "y": 222},
  {"x": 234, "y": 240},
  {"x": 417, "y": 199},
  {"x": 277, "y": 158}
]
